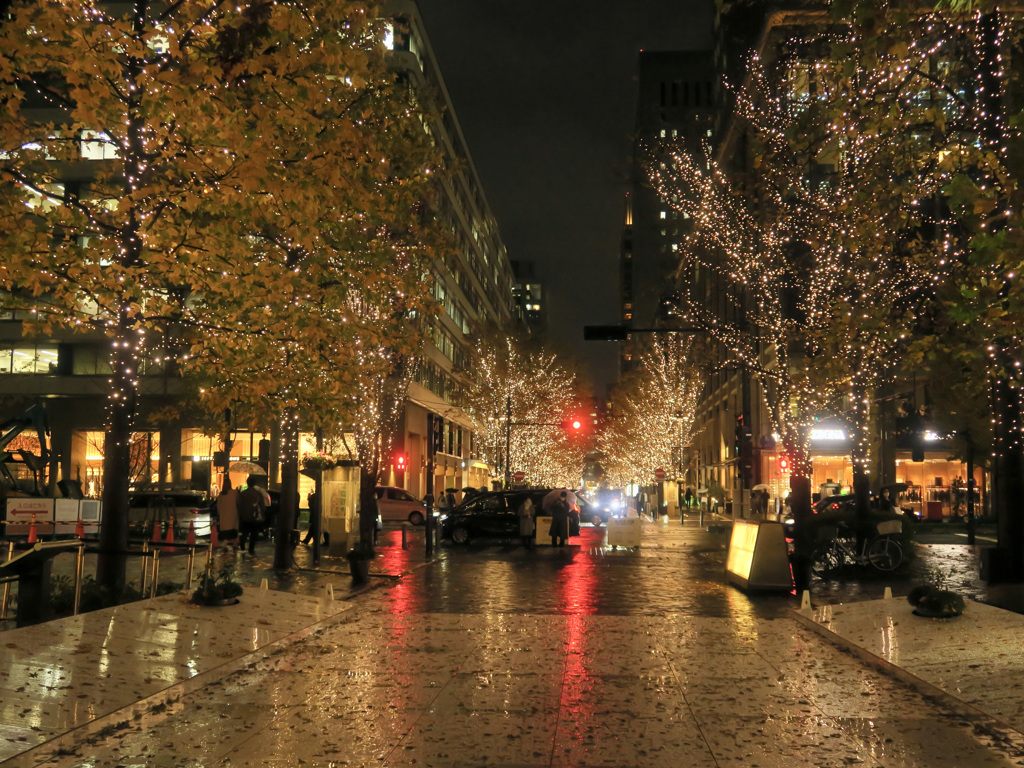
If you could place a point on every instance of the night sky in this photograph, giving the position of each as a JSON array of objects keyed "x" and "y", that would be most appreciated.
[{"x": 546, "y": 95}]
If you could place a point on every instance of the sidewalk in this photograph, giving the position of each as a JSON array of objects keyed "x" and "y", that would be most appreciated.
[
  {"x": 431, "y": 673},
  {"x": 974, "y": 662},
  {"x": 69, "y": 679},
  {"x": 66, "y": 680}
]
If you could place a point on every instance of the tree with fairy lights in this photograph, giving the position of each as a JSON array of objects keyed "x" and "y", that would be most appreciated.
[
  {"x": 921, "y": 108},
  {"x": 652, "y": 413},
  {"x": 521, "y": 396},
  {"x": 940, "y": 89},
  {"x": 193, "y": 181},
  {"x": 822, "y": 293}
]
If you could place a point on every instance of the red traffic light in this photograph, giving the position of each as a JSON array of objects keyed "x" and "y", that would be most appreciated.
[
  {"x": 575, "y": 425},
  {"x": 784, "y": 464},
  {"x": 400, "y": 462}
]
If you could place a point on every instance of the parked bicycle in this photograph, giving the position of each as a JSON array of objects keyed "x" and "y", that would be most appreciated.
[{"x": 837, "y": 548}]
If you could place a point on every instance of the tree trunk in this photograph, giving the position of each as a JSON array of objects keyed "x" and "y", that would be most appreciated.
[
  {"x": 367, "y": 504},
  {"x": 1007, "y": 483},
  {"x": 289, "y": 512},
  {"x": 800, "y": 505},
  {"x": 113, "y": 538}
]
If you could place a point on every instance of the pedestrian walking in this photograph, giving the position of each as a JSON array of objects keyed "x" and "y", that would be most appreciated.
[
  {"x": 251, "y": 512},
  {"x": 313, "y": 532},
  {"x": 227, "y": 515},
  {"x": 559, "y": 530},
  {"x": 527, "y": 524}
]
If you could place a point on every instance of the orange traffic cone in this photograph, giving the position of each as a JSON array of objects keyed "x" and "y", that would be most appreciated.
[
  {"x": 213, "y": 535},
  {"x": 170, "y": 535},
  {"x": 79, "y": 529},
  {"x": 191, "y": 538},
  {"x": 32, "y": 538},
  {"x": 156, "y": 531}
]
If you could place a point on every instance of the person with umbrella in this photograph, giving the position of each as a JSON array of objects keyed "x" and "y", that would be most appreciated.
[{"x": 559, "y": 511}]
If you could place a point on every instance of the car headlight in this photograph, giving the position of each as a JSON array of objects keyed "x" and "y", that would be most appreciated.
[
  {"x": 789, "y": 521},
  {"x": 616, "y": 504}
]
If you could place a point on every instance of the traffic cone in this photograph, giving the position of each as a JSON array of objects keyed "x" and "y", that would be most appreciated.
[
  {"x": 191, "y": 538},
  {"x": 32, "y": 538},
  {"x": 156, "y": 531},
  {"x": 79, "y": 529},
  {"x": 170, "y": 535}
]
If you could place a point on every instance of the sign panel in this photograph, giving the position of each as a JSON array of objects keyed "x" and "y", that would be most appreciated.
[
  {"x": 20, "y": 512},
  {"x": 758, "y": 556},
  {"x": 659, "y": 473},
  {"x": 625, "y": 531},
  {"x": 519, "y": 476}
]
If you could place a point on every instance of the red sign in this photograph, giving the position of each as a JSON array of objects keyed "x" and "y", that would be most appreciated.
[
  {"x": 659, "y": 473},
  {"x": 519, "y": 476}
]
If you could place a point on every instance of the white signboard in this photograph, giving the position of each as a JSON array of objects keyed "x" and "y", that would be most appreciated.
[{"x": 625, "y": 531}]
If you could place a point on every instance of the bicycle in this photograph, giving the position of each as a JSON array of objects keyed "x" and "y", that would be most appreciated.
[{"x": 834, "y": 552}]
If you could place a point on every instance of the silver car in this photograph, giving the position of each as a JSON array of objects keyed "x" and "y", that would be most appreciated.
[{"x": 397, "y": 504}]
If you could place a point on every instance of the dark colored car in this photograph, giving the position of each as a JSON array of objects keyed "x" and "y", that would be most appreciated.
[
  {"x": 610, "y": 502},
  {"x": 592, "y": 512},
  {"x": 494, "y": 515}
]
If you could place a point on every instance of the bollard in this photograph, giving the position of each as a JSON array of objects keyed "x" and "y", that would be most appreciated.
[
  {"x": 191, "y": 561},
  {"x": 405, "y": 536},
  {"x": 79, "y": 568},
  {"x": 805, "y": 600},
  {"x": 145, "y": 570},
  {"x": 329, "y": 591},
  {"x": 156, "y": 572},
  {"x": 888, "y": 594},
  {"x": 264, "y": 585},
  {"x": 7, "y": 586}
]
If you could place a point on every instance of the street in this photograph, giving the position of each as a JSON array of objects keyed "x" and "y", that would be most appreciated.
[{"x": 585, "y": 656}]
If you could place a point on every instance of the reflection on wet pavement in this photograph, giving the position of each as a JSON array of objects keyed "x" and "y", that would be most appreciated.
[{"x": 587, "y": 656}]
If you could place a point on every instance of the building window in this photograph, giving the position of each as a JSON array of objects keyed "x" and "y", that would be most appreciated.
[{"x": 28, "y": 359}]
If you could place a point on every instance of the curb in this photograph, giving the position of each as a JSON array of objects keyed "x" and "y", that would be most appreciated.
[{"x": 1003, "y": 731}]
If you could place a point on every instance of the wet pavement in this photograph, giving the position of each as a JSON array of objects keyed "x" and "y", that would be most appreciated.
[{"x": 581, "y": 656}]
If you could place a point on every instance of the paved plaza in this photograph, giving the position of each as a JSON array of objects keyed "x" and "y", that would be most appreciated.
[{"x": 496, "y": 655}]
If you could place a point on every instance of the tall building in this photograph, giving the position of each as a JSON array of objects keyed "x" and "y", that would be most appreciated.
[
  {"x": 676, "y": 102},
  {"x": 528, "y": 296},
  {"x": 474, "y": 289}
]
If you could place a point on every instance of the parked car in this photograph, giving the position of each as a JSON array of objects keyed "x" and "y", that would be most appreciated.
[
  {"x": 842, "y": 506},
  {"x": 494, "y": 514},
  {"x": 397, "y": 504},
  {"x": 148, "y": 507}
]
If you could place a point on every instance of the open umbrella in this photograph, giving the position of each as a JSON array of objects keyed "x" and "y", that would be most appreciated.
[
  {"x": 247, "y": 467},
  {"x": 760, "y": 487},
  {"x": 554, "y": 495}
]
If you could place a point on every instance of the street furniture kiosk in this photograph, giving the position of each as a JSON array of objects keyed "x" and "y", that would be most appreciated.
[{"x": 758, "y": 556}]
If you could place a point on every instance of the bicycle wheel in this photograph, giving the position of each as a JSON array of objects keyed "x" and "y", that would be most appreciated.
[
  {"x": 885, "y": 554},
  {"x": 827, "y": 560}
]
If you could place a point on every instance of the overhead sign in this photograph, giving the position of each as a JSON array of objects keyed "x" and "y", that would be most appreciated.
[
  {"x": 519, "y": 476},
  {"x": 659, "y": 473}
]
